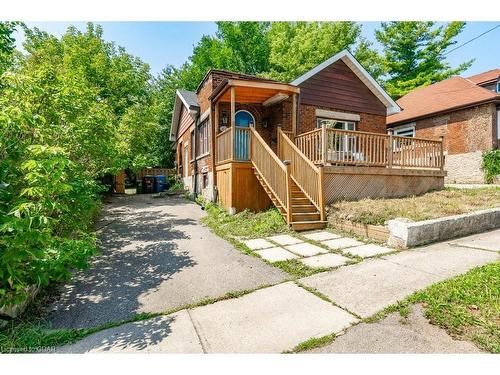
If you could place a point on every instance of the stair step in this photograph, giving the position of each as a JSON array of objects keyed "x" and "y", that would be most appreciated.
[
  {"x": 305, "y": 216},
  {"x": 304, "y": 208},
  {"x": 308, "y": 225}
]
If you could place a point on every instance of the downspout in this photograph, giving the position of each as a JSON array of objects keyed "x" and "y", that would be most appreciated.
[
  {"x": 297, "y": 115},
  {"x": 195, "y": 163}
]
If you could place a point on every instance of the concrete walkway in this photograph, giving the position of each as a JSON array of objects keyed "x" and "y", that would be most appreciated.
[
  {"x": 155, "y": 256},
  {"x": 277, "y": 318}
]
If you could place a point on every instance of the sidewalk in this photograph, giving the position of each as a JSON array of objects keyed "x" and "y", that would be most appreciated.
[{"x": 276, "y": 319}]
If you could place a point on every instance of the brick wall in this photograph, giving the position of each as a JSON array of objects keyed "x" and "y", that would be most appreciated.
[
  {"x": 468, "y": 133},
  {"x": 368, "y": 122},
  {"x": 464, "y": 131}
]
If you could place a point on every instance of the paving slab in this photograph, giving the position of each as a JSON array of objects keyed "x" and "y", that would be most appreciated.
[
  {"x": 258, "y": 244},
  {"x": 395, "y": 334},
  {"x": 321, "y": 236},
  {"x": 270, "y": 320},
  {"x": 443, "y": 259},
  {"x": 285, "y": 239},
  {"x": 276, "y": 254},
  {"x": 173, "y": 333},
  {"x": 370, "y": 286},
  {"x": 306, "y": 249},
  {"x": 325, "y": 261},
  {"x": 367, "y": 250},
  {"x": 155, "y": 255},
  {"x": 486, "y": 241},
  {"x": 342, "y": 243}
]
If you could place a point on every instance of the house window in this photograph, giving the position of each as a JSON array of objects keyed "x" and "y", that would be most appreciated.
[
  {"x": 244, "y": 119},
  {"x": 335, "y": 124},
  {"x": 498, "y": 86},
  {"x": 203, "y": 139},
  {"x": 192, "y": 145},
  {"x": 204, "y": 181},
  {"x": 405, "y": 130}
]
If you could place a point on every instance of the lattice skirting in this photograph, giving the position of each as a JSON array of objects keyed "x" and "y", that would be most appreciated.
[{"x": 358, "y": 186}]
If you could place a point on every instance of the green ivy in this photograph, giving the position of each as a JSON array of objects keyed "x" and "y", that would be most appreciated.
[{"x": 491, "y": 165}]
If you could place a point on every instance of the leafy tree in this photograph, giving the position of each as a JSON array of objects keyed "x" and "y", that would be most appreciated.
[
  {"x": 72, "y": 109},
  {"x": 7, "y": 44},
  {"x": 415, "y": 54},
  {"x": 296, "y": 47}
]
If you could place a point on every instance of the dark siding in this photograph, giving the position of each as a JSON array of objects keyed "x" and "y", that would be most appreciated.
[{"x": 337, "y": 87}]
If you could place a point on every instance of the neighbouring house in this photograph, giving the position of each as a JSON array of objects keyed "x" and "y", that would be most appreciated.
[
  {"x": 250, "y": 142},
  {"x": 465, "y": 111}
]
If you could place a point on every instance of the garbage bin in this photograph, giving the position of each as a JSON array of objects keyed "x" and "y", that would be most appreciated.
[
  {"x": 148, "y": 184},
  {"x": 159, "y": 183}
]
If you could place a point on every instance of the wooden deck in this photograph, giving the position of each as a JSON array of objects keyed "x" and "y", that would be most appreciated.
[{"x": 310, "y": 170}]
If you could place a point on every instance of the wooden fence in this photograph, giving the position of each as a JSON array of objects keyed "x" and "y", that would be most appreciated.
[{"x": 155, "y": 172}]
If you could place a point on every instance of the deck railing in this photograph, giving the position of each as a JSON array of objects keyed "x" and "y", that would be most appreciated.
[
  {"x": 346, "y": 147},
  {"x": 232, "y": 144},
  {"x": 305, "y": 174},
  {"x": 224, "y": 146},
  {"x": 270, "y": 168}
]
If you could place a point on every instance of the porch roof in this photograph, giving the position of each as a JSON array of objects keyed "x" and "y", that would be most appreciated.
[{"x": 252, "y": 91}]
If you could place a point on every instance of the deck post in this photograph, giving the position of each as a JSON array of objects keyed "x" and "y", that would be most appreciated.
[
  {"x": 390, "y": 151},
  {"x": 233, "y": 119},
  {"x": 324, "y": 145},
  {"x": 441, "y": 151},
  {"x": 288, "y": 192},
  {"x": 321, "y": 179},
  {"x": 294, "y": 115}
]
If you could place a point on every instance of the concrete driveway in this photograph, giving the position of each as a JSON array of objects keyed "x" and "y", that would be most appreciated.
[{"x": 155, "y": 255}]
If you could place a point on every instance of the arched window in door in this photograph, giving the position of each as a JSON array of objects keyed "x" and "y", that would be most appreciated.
[{"x": 244, "y": 119}]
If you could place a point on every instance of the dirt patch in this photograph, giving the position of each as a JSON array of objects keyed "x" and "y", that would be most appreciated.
[{"x": 417, "y": 208}]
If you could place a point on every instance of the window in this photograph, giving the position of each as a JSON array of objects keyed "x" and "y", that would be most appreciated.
[
  {"x": 343, "y": 144},
  {"x": 405, "y": 130},
  {"x": 202, "y": 147},
  {"x": 244, "y": 119},
  {"x": 335, "y": 124},
  {"x": 498, "y": 87},
  {"x": 192, "y": 145}
]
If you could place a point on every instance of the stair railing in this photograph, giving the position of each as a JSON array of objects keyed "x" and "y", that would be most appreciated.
[
  {"x": 272, "y": 170},
  {"x": 304, "y": 173}
]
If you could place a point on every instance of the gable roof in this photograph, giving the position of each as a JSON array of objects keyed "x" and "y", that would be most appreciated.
[
  {"x": 451, "y": 94},
  {"x": 189, "y": 100},
  {"x": 490, "y": 75},
  {"x": 361, "y": 73}
]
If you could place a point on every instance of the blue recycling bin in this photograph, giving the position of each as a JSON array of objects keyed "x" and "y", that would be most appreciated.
[{"x": 160, "y": 183}]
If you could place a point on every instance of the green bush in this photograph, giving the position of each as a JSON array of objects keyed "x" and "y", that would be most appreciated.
[
  {"x": 491, "y": 165},
  {"x": 45, "y": 208}
]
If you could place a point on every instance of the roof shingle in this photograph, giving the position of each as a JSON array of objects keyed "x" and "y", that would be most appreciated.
[
  {"x": 490, "y": 75},
  {"x": 454, "y": 92}
]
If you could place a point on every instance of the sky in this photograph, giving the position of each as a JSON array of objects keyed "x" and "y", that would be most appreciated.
[{"x": 170, "y": 43}]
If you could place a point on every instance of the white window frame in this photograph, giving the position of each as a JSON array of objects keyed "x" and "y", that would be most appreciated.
[
  {"x": 404, "y": 129},
  {"x": 345, "y": 123},
  {"x": 348, "y": 143}
]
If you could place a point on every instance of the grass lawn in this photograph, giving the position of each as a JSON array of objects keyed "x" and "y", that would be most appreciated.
[
  {"x": 427, "y": 206},
  {"x": 467, "y": 306},
  {"x": 245, "y": 224}
]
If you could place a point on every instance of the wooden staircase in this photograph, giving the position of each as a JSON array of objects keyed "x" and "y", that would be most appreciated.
[{"x": 304, "y": 214}]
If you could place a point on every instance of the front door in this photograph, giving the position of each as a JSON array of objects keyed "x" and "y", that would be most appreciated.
[{"x": 243, "y": 121}]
